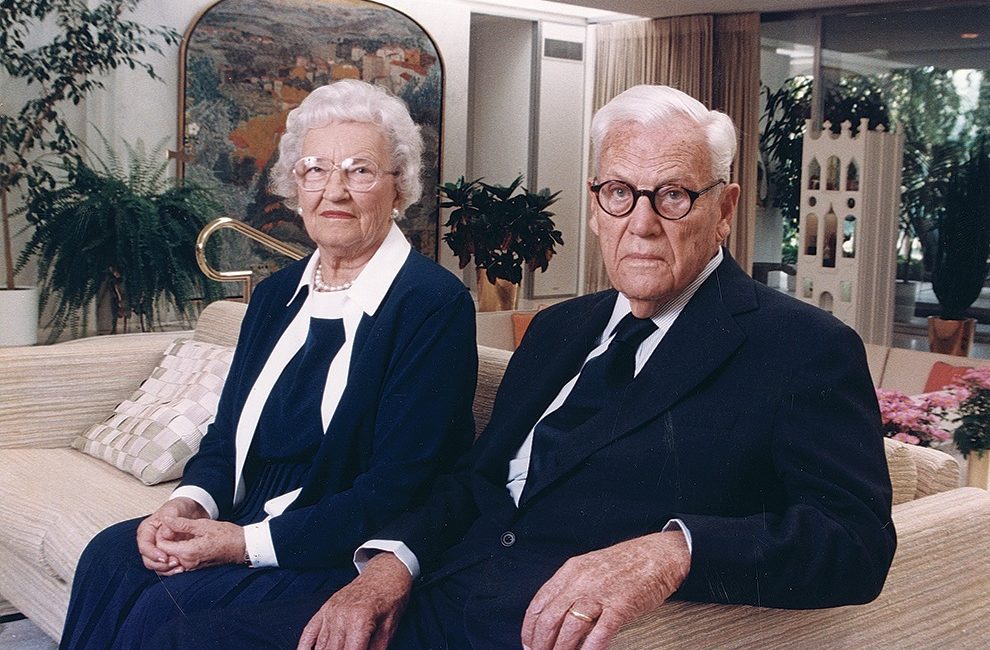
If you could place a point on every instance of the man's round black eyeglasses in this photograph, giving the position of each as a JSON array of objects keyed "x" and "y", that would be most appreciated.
[{"x": 671, "y": 202}]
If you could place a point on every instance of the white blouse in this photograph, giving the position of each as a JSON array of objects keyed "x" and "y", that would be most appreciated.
[{"x": 363, "y": 297}]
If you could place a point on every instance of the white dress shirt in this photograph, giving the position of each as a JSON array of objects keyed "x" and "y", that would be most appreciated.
[
  {"x": 363, "y": 297},
  {"x": 519, "y": 465}
]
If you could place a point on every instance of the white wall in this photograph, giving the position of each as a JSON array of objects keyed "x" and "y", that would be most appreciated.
[
  {"x": 561, "y": 144},
  {"x": 501, "y": 68}
]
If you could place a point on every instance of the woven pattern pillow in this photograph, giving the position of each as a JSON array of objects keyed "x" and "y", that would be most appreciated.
[{"x": 154, "y": 432}]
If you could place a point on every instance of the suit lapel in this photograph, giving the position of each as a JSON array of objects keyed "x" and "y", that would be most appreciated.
[
  {"x": 702, "y": 338},
  {"x": 530, "y": 386}
]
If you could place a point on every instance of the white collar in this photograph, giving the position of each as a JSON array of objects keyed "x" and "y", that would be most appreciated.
[
  {"x": 664, "y": 316},
  {"x": 369, "y": 288}
]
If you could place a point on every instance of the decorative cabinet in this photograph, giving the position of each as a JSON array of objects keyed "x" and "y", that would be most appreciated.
[{"x": 850, "y": 200}]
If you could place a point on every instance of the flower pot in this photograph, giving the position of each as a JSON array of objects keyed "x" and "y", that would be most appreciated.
[
  {"x": 501, "y": 296},
  {"x": 951, "y": 336},
  {"x": 905, "y": 297},
  {"x": 18, "y": 316},
  {"x": 978, "y": 470}
]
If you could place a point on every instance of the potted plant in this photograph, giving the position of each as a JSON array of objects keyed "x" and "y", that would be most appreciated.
[
  {"x": 960, "y": 264},
  {"x": 960, "y": 411},
  {"x": 88, "y": 42},
  {"x": 972, "y": 436},
  {"x": 500, "y": 230},
  {"x": 127, "y": 233}
]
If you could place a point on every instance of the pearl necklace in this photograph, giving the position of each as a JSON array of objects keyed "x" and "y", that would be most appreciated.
[{"x": 322, "y": 286}]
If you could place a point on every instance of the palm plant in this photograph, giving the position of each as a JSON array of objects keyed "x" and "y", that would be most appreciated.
[
  {"x": 129, "y": 232},
  {"x": 964, "y": 234}
]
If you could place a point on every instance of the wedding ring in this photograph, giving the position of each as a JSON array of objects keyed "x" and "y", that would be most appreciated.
[{"x": 579, "y": 616}]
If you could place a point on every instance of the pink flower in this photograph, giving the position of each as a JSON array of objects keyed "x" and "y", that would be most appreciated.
[
  {"x": 921, "y": 419},
  {"x": 904, "y": 437},
  {"x": 975, "y": 378}
]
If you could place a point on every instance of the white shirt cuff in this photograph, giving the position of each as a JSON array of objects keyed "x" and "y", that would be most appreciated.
[
  {"x": 675, "y": 524},
  {"x": 200, "y": 496},
  {"x": 374, "y": 546},
  {"x": 259, "y": 545}
]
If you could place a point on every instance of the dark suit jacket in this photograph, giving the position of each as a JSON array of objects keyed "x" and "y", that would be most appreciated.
[
  {"x": 755, "y": 422},
  {"x": 404, "y": 415}
]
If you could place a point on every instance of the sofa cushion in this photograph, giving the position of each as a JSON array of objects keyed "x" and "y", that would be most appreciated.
[
  {"x": 158, "y": 428},
  {"x": 52, "y": 502},
  {"x": 942, "y": 374}
]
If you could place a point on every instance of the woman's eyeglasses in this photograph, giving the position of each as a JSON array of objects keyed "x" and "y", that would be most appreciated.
[{"x": 357, "y": 174}]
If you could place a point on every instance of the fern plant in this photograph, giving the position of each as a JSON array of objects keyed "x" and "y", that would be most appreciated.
[
  {"x": 87, "y": 40},
  {"x": 125, "y": 230}
]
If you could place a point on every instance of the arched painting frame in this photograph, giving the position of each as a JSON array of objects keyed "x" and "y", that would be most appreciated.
[{"x": 246, "y": 63}]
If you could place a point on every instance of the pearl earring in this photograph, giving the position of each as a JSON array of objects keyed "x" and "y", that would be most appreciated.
[
  {"x": 299, "y": 211},
  {"x": 395, "y": 214}
]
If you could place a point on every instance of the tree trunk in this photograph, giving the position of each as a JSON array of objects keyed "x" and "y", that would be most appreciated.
[{"x": 8, "y": 249}]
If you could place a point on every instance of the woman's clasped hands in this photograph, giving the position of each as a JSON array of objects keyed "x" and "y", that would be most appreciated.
[{"x": 180, "y": 537}]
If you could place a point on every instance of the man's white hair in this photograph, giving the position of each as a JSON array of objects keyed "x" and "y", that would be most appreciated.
[{"x": 654, "y": 106}]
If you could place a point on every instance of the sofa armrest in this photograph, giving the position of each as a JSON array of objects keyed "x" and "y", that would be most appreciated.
[
  {"x": 937, "y": 471},
  {"x": 935, "y": 595},
  {"x": 50, "y": 393}
]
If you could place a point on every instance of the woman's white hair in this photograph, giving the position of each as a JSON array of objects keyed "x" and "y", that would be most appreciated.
[
  {"x": 350, "y": 100},
  {"x": 653, "y": 106}
]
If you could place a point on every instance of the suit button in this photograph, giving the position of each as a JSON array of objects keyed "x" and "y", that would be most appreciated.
[{"x": 508, "y": 539}]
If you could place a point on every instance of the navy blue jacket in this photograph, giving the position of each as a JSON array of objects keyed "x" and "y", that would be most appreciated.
[
  {"x": 404, "y": 415},
  {"x": 755, "y": 422}
]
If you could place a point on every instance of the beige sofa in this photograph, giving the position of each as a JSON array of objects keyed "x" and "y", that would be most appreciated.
[
  {"x": 53, "y": 499},
  {"x": 907, "y": 370}
]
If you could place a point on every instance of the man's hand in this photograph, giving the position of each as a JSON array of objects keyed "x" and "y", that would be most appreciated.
[
  {"x": 593, "y": 595},
  {"x": 199, "y": 543},
  {"x": 153, "y": 556},
  {"x": 365, "y": 613}
]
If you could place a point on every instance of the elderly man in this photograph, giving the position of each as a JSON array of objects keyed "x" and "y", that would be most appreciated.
[{"x": 690, "y": 434}]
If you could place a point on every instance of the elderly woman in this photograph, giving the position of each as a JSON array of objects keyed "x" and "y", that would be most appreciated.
[{"x": 350, "y": 388}]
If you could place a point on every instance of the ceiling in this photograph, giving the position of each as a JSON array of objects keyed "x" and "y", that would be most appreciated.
[
  {"x": 921, "y": 36},
  {"x": 658, "y": 8},
  {"x": 924, "y": 32}
]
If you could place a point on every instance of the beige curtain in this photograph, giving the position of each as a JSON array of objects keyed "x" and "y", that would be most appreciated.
[
  {"x": 736, "y": 92},
  {"x": 684, "y": 52}
]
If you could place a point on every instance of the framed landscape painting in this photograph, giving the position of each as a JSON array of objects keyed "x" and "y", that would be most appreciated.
[{"x": 247, "y": 63}]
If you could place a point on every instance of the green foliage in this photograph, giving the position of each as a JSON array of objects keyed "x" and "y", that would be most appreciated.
[
  {"x": 973, "y": 432},
  {"x": 925, "y": 106},
  {"x": 979, "y": 117},
  {"x": 203, "y": 80},
  {"x": 964, "y": 234},
  {"x": 852, "y": 99},
  {"x": 88, "y": 42},
  {"x": 499, "y": 229},
  {"x": 128, "y": 230},
  {"x": 781, "y": 140}
]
